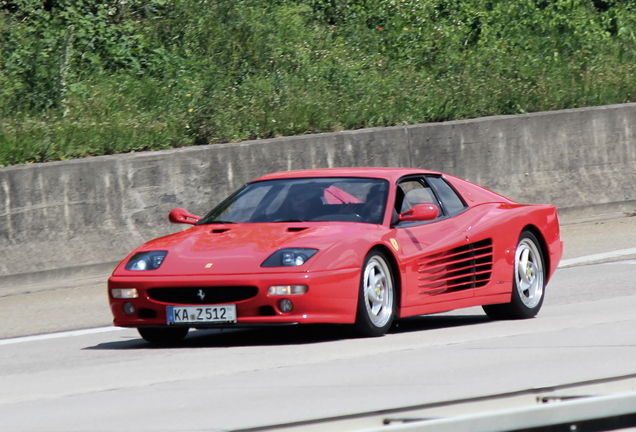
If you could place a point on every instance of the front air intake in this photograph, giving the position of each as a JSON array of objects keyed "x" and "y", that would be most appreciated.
[{"x": 202, "y": 295}]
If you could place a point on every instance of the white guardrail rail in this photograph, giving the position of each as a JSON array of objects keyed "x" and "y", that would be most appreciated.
[{"x": 601, "y": 405}]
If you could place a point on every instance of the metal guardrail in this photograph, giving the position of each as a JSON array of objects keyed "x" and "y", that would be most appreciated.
[
  {"x": 592, "y": 413},
  {"x": 598, "y": 405}
]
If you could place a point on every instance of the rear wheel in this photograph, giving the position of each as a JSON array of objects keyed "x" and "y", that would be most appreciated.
[
  {"x": 376, "y": 299},
  {"x": 163, "y": 335},
  {"x": 528, "y": 288}
]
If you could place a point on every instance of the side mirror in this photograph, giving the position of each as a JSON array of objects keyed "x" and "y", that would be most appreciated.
[
  {"x": 420, "y": 213},
  {"x": 180, "y": 215}
]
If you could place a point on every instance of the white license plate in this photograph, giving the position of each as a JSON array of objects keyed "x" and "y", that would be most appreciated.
[{"x": 201, "y": 314}]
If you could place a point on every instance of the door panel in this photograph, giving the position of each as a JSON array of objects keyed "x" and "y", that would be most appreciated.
[{"x": 433, "y": 254}]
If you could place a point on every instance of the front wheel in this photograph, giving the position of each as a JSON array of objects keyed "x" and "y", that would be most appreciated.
[
  {"x": 528, "y": 288},
  {"x": 163, "y": 335},
  {"x": 376, "y": 299}
]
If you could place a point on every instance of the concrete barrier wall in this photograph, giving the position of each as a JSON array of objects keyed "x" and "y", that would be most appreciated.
[{"x": 78, "y": 217}]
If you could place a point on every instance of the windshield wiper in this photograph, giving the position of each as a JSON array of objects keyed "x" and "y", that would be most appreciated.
[{"x": 218, "y": 222}]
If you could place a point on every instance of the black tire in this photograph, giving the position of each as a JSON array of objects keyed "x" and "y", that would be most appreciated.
[
  {"x": 529, "y": 280},
  {"x": 376, "y": 298},
  {"x": 163, "y": 335}
]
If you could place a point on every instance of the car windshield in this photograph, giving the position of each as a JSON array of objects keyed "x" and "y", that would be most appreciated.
[{"x": 305, "y": 199}]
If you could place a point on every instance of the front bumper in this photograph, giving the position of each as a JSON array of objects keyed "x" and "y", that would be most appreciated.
[{"x": 331, "y": 298}]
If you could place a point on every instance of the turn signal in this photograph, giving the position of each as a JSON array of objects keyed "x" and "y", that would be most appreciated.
[
  {"x": 124, "y": 293},
  {"x": 287, "y": 290}
]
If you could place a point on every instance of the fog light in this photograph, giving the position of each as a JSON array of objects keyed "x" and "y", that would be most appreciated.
[
  {"x": 129, "y": 309},
  {"x": 285, "y": 305},
  {"x": 287, "y": 290},
  {"x": 124, "y": 293}
]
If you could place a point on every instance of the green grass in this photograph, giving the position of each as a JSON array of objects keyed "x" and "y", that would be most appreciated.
[{"x": 82, "y": 79}]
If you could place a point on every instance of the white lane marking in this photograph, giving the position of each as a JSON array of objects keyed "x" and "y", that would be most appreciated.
[
  {"x": 58, "y": 335},
  {"x": 596, "y": 257}
]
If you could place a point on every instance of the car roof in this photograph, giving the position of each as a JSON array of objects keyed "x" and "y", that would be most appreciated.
[{"x": 391, "y": 174}]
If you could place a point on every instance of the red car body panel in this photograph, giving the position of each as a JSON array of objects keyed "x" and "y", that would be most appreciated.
[{"x": 231, "y": 255}]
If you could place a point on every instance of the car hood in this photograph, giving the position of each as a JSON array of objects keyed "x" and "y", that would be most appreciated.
[{"x": 242, "y": 248}]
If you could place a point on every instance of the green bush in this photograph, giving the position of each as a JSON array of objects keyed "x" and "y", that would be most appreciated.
[{"x": 80, "y": 78}]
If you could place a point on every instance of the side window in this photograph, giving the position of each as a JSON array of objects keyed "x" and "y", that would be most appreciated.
[
  {"x": 452, "y": 202},
  {"x": 411, "y": 193}
]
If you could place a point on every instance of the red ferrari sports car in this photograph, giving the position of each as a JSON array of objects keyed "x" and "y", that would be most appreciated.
[{"x": 359, "y": 246}]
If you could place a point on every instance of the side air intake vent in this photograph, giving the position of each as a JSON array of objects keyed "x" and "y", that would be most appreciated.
[{"x": 457, "y": 269}]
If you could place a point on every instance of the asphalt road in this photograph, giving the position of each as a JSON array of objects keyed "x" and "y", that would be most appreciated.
[{"x": 108, "y": 379}]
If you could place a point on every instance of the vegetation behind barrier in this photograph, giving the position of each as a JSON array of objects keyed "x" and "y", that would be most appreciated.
[{"x": 81, "y": 78}]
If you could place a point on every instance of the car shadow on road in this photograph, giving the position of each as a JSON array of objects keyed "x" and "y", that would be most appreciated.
[
  {"x": 291, "y": 335},
  {"x": 435, "y": 322},
  {"x": 238, "y": 337}
]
